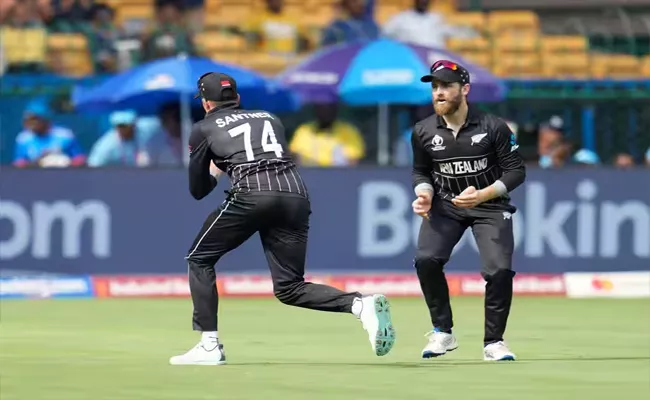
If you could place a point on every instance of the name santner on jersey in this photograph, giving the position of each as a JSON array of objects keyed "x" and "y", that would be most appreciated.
[{"x": 232, "y": 118}]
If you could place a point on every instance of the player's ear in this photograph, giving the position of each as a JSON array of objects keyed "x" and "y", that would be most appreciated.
[{"x": 465, "y": 89}]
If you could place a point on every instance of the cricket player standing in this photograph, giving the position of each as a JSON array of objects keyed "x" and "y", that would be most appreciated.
[{"x": 465, "y": 164}]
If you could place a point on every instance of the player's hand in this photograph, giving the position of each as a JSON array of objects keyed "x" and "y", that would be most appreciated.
[
  {"x": 214, "y": 171},
  {"x": 422, "y": 205},
  {"x": 469, "y": 198}
]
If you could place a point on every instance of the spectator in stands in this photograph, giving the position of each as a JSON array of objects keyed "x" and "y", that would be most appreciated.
[
  {"x": 71, "y": 15},
  {"x": 420, "y": 26},
  {"x": 102, "y": 35},
  {"x": 585, "y": 157},
  {"x": 328, "y": 141},
  {"x": 42, "y": 144},
  {"x": 5, "y": 8},
  {"x": 551, "y": 147},
  {"x": 194, "y": 14},
  {"x": 275, "y": 31},
  {"x": 354, "y": 26},
  {"x": 121, "y": 146},
  {"x": 166, "y": 147},
  {"x": 24, "y": 38},
  {"x": 624, "y": 161},
  {"x": 169, "y": 36}
]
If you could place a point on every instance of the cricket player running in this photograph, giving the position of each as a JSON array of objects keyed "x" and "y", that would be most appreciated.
[
  {"x": 465, "y": 162},
  {"x": 267, "y": 196}
]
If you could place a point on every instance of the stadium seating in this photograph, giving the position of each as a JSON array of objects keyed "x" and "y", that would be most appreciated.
[
  {"x": 69, "y": 52},
  {"x": 510, "y": 43}
]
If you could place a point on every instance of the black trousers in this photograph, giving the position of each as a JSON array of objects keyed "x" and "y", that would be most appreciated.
[
  {"x": 282, "y": 220},
  {"x": 492, "y": 229}
]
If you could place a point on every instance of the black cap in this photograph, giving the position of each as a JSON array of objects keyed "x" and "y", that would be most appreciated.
[
  {"x": 214, "y": 86},
  {"x": 448, "y": 72}
]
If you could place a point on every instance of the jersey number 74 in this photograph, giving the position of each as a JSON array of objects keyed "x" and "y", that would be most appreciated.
[{"x": 269, "y": 142}]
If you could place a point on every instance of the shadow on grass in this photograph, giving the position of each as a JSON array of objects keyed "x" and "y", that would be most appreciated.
[{"x": 440, "y": 363}]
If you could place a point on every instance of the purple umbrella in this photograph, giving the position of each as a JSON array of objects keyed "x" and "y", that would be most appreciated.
[{"x": 379, "y": 72}]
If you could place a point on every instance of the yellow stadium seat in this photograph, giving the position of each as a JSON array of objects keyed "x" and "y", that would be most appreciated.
[
  {"x": 321, "y": 3},
  {"x": 473, "y": 44},
  {"x": 474, "y": 20},
  {"x": 115, "y": 4},
  {"x": 141, "y": 12},
  {"x": 645, "y": 66},
  {"x": 318, "y": 18},
  {"x": 517, "y": 65},
  {"x": 75, "y": 63},
  {"x": 384, "y": 12},
  {"x": 562, "y": 43},
  {"x": 67, "y": 41},
  {"x": 500, "y": 22},
  {"x": 615, "y": 66},
  {"x": 211, "y": 6},
  {"x": 23, "y": 45},
  {"x": 230, "y": 14},
  {"x": 442, "y": 6},
  {"x": 526, "y": 43},
  {"x": 265, "y": 63},
  {"x": 215, "y": 41},
  {"x": 227, "y": 58},
  {"x": 480, "y": 58},
  {"x": 557, "y": 65}
]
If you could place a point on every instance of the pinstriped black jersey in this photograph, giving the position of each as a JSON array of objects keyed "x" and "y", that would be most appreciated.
[
  {"x": 250, "y": 146},
  {"x": 483, "y": 151}
]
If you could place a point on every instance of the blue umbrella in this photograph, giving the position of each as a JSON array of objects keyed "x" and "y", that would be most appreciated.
[{"x": 146, "y": 87}]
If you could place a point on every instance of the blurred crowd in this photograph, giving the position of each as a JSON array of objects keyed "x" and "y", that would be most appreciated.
[
  {"x": 326, "y": 141},
  {"x": 133, "y": 140},
  {"x": 177, "y": 23}
]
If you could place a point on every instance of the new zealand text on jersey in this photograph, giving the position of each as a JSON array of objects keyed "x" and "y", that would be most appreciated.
[
  {"x": 464, "y": 167},
  {"x": 240, "y": 116}
]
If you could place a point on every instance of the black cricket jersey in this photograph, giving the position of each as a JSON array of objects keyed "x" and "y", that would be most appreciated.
[
  {"x": 483, "y": 151},
  {"x": 249, "y": 145}
]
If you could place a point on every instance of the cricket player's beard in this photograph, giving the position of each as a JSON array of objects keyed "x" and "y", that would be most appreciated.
[{"x": 450, "y": 106}]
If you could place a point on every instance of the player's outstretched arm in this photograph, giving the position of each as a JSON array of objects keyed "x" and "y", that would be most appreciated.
[{"x": 202, "y": 182}]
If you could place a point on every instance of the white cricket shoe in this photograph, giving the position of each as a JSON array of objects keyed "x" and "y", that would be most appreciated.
[
  {"x": 213, "y": 354},
  {"x": 439, "y": 344},
  {"x": 498, "y": 351},
  {"x": 376, "y": 320}
]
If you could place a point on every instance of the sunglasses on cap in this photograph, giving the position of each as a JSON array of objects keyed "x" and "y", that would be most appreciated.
[{"x": 445, "y": 64}]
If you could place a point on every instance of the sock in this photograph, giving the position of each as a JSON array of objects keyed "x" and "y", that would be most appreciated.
[
  {"x": 210, "y": 340},
  {"x": 357, "y": 306},
  {"x": 439, "y": 330}
]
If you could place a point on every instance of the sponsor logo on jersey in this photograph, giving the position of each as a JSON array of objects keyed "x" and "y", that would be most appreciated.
[{"x": 464, "y": 167}]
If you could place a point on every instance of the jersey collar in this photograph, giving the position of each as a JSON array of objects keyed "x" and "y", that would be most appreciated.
[
  {"x": 225, "y": 106},
  {"x": 473, "y": 117}
]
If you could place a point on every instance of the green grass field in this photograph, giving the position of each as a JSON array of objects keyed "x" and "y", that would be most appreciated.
[{"x": 119, "y": 349}]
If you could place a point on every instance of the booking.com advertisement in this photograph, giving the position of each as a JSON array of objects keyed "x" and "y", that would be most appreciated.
[
  {"x": 121, "y": 224},
  {"x": 145, "y": 221}
]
